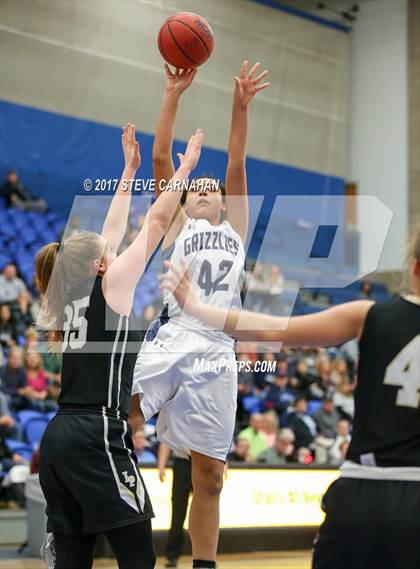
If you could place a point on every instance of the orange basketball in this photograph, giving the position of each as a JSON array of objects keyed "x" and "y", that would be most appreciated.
[{"x": 185, "y": 40}]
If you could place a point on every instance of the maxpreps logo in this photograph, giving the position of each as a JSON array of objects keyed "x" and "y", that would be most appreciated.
[{"x": 216, "y": 366}]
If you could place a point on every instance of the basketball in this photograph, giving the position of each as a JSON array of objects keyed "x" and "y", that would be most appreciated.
[{"x": 185, "y": 40}]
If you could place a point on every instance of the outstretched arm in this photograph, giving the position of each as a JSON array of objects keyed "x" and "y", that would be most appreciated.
[
  {"x": 123, "y": 274},
  {"x": 330, "y": 327},
  {"x": 177, "y": 82},
  {"x": 246, "y": 87},
  {"x": 115, "y": 224}
]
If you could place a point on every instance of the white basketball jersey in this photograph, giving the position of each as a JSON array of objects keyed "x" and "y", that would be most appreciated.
[{"x": 215, "y": 257}]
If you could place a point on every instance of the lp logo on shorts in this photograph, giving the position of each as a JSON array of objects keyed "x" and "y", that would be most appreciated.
[{"x": 130, "y": 480}]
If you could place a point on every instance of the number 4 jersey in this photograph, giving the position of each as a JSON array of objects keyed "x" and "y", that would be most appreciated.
[
  {"x": 215, "y": 258},
  {"x": 99, "y": 351},
  {"x": 386, "y": 428}
]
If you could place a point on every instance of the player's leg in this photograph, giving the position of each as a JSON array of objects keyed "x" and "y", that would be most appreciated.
[
  {"x": 207, "y": 482},
  {"x": 74, "y": 551},
  {"x": 133, "y": 546},
  {"x": 181, "y": 489}
]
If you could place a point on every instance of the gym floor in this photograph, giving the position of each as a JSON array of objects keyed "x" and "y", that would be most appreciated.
[{"x": 260, "y": 560}]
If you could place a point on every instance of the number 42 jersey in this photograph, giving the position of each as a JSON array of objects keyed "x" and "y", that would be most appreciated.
[
  {"x": 215, "y": 258},
  {"x": 386, "y": 430}
]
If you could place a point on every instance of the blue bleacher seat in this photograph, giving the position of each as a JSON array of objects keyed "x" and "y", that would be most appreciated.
[
  {"x": 27, "y": 414},
  {"x": 313, "y": 405},
  {"x": 34, "y": 429},
  {"x": 24, "y": 450}
]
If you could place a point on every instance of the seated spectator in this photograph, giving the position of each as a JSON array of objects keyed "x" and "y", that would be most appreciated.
[
  {"x": 10, "y": 493},
  {"x": 10, "y": 284},
  {"x": 18, "y": 196},
  {"x": 254, "y": 436},
  {"x": 342, "y": 434},
  {"x": 36, "y": 390},
  {"x": 304, "y": 456},
  {"x": 302, "y": 424},
  {"x": 343, "y": 448},
  {"x": 144, "y": 456},
  {"x": 8, "y": 332},
  {"x": 339, "y": 371},
  {"x": 13, "y": 380},
  {"x": 275, "y": 282},
  {"x": 302, "y": 379},
  {"x": 344, "y": 400},
  {"x": 264, "y": 378},
  {"x": 8, "y": 426},
  {"x": 282, "y": 452},
  {"x": 269, "y": 427},
  {"x": 322, "y": 385},
  {"x": 279, "y": 397},
  {"x": 22, "y": 312},
  {"x": 241, "y": 452},
  {"x": 326, "y": 419}
]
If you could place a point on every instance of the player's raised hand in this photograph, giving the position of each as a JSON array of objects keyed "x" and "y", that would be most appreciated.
[
  {"x": 247, "y": 85},
  {"x": 177, "y": 281},
  {"x": 131, "y": 147},
  {"x": 178, "y": 80},
  {"x": 193, "y": 150}
]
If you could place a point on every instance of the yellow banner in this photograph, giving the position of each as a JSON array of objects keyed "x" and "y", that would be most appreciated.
[{"x": 254, "y": 498}]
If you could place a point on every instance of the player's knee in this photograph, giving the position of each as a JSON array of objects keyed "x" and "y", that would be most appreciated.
[{"x": 208, "y": 480}]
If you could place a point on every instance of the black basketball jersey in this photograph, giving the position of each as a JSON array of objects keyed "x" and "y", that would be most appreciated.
[
  {"x": 386, "y": 430},
  {"x": 99, "y": 351}
]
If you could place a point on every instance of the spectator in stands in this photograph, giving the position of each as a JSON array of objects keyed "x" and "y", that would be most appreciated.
[
  {"x": 8, "y": 426},
  {"x": 344, "y": 400},
  {"x": 269, "y": 427},
  {"x": 281, "y": 452},
  {"x": 18, "y": 196},
  {"x": 22, "y": 312},
  {"x": 10, "y": 285},
  {"x": 279, "y": 397},
  {"x": 339, "y": 371},
  {"x": 326, "y": 419},
  {"x": 275, "y": 283},
  {"x": 9, "y": 492},
  {"x": 144, "y": 456},
  {"x": 302, "y": 424},
  {"x": 8, "y": 332},
  {"x": 241, "y": 452},
  {"x": 264, "y": 378},
  {"x": 256, "y": 287},
  {"x": 13, "y": 380},
  {"x": 302, "y": 379},
  {"x": 322, "y": 386},
  {"x": 254, "y": 436},
  {"x": 36, "y": 390},
  {"x": 342, "y": 435}
]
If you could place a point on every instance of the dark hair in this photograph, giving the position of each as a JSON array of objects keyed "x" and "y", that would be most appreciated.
[{"x": 203, "y": 177}]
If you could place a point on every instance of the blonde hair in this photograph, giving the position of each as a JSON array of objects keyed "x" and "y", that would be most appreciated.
[{"x": 59, "y": 269}]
